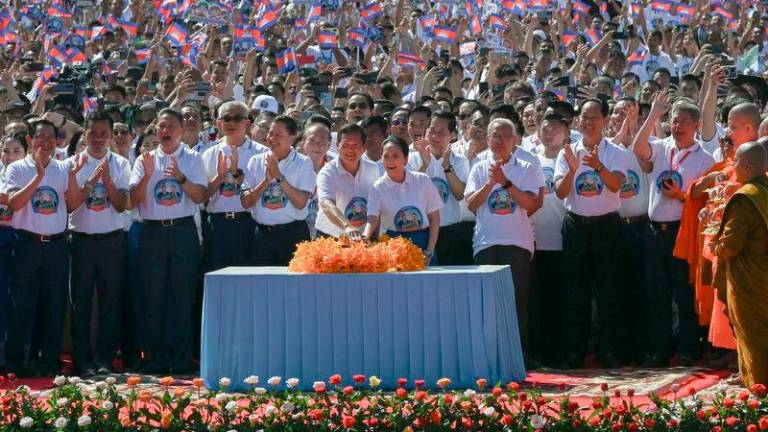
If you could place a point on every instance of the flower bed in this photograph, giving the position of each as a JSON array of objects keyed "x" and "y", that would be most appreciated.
[
  {"x": 330, "y": 255},
  {"x": 359, "y": 406}
]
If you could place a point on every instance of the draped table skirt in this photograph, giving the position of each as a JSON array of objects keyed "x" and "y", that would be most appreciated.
[{"x": 455, "y": 322}]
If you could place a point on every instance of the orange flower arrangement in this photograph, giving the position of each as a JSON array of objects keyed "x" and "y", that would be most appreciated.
[{"x": 330, "y": 255}]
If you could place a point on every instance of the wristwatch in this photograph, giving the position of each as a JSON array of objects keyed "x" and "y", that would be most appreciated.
[
  {"x": 238, "y": 174},
  {"x": 281, "y": 178},
  {"x": 449, "y": 169},
  {"x": 599, "y": 168},
  {"x": 507, "y": 184},
  {"x": 183, "y": 179}
]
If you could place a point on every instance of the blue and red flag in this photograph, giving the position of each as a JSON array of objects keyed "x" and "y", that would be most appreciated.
[
  {"x": 176, "y": 34},
  {"x": 131, "y": 28},
  {"x": 539, "y": 5},
  {"x": 74, "y": 55},
  {"x": 568, "y": 37},
  {"x": 637, "y": 9},
  {"x": 410, "y": 60},
  {"x": 593, "y": 36},
  {"x": 371, "y": 11},
  {"x": 300, "y": 23},
  {"x": 142, "y": 55},
  {"x": 497, "y": 22},
  {"x": 685, "y": 10},
  {"x": 636, "y": 58},
  {"x": 327, "y": 39},
  {"x": 723, "y": 12},
  {"x": 90, "y": 105},
  {"x": 184, "y": 7},
  {"x": 268, "y": 19},
  {"x": 444, "y": 34},
  {"x": 57, "y": 55},
  {"x": 427, "y": 23},
  {"x": 42, "y": 80},
  {"x": 661, "y": 6},
  {"x": 580, "y": 7},
  {"x": 357, "y": 36},
  {"x": 475, "y": 25},
  {"x": 315, "y": 12},
  {"x": 56, "y": 10},
  {"x": 247, "y": 32},
  {"x": 514, "y": 7},
  {"x": 306, "y": 61},
  {"x": 286, "y": 61}
]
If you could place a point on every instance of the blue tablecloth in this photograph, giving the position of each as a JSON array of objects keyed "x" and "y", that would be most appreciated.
[{"x": 455, "y": 322}]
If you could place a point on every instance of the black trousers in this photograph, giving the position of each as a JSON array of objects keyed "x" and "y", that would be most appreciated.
[
  {"x": 546, "y": 297},
  {"x": 230, "y": 240},
  {"x": 591, "y": 255},
  {"x": 519, "y": 260},
  {"x": 668, "y": 282},
  {"x": 7, "y": 238},
  {"x": 170, "y": 267},
  {"x": 275, "y": 244},
  {"x": 454, "y": 244},
  {"x": 39, "y": 300},
  {"x": 98, "y": 263},
  {"x": 632, "y": 280}
]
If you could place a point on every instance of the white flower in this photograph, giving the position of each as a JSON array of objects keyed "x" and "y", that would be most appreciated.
[
  {"x": 714, "y": 420},
  {"x": 274, "y": 381},
  {"x": 287, "y": 408},
  {"x": 270, "y": 410},
  {"x": 108, "y": 405},
  {"x": 690, "y": 403},
  {"x": 651, "y": 409},
  {"x": 60, "y": 423},
  {"x": 292, "y": 382},
  {"x": 101, "y": 385},
  {"x": 469, "y": 393},
  {"x": 224, "y": 382},
  {"x": 110, "y": 380},
  {"x": 489, "y": 412},
  {"x": 22, "y": 389},
  {"x": 251, "y": 380},
  {"x": 84, "y": 421},
  {"x": 26, "y": 422},
  {"x": 60, "y": 380},
  {"x": 231, "y": 406},
  {"x": 35, "y": 394},
  {"x": 537, "y": 421},
  {"x": 75, "y": 380},
  {"x": 260, "y": 391},
  {"x": 61, "y": 401},
  {"x": 318, "y": 384},
  {"x": 222, "y": 397}
]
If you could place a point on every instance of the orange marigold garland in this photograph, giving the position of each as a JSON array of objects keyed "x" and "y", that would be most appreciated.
[{"x": 330, "y": 255}]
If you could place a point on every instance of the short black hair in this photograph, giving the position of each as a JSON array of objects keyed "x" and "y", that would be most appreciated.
[
  {"x": 173, "y": 113},
  {"x": 97, "y": 117},
  {"x": 603, "y": 107},
  {"x": 421, "y": 109},
  {"x": 367, "y": 97},
  {"x": 447, "y": 116},
  {"x": 114, "y": 88},
  {"x": 37, "y": 124},
  {"x": 289, "y": 123},
  {"x": 318, "y": 119},
  {"x": 377, "y": 121},
  {"x": 397, "y": 141},
  {"x": 351, "y": 129}
]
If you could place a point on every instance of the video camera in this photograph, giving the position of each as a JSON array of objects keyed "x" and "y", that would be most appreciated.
[{"x": 71, "y": 85}]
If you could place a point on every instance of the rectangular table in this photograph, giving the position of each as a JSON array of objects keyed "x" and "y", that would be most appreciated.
[{"x": 455, "y": 322}]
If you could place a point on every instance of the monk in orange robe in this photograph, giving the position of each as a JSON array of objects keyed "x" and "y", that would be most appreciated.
[{"x": 741, "y": 247}]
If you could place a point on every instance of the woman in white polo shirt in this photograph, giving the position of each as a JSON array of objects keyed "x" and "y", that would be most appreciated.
[
  {"x": 276, "y": 190},
  {"x": 501, "y": 190},
  {"x": 404, "y": 203}
]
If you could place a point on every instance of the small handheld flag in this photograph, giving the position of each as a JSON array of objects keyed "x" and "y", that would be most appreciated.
[
  {"x": 176, "y": 34},
  {"x": 444, "y": 34},
  {"x": 286, "y": 61},
  {"x": 327, "y": 39}
]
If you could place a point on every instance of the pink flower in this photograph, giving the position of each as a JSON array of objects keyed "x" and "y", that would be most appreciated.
[
  {"x": 334, "y": 379},
  {"x": 419, "y": 383}
]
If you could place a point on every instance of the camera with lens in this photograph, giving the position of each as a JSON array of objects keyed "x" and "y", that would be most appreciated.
[{"x": 71, "y": 85}]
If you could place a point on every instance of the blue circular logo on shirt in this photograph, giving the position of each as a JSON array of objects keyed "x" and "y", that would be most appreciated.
[
  {"x": 500, "y": 204},
  {"x": 168, "y": 192},
  {"x": 631, "y": 186},
  {"x": 45, "y": 201},
  {"x": 6, "y": 214},
  {"x": 229, "y": 188},
  {"x": 589, "y": 184},
  {"x": 97, "y": 200},
  {"x": 274, "y": 198},
  {"x": 666, "y": 176},
  {"x": 442, "y": 188},
  {"x": 549, "y": 179},
  {"x": 409, "y": 219},
  {"x": 356, "y": 211}
]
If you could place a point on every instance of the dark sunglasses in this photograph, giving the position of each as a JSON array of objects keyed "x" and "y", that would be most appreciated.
[
  {"x": 399, "y": 122},
  {"x": 358, "y": 105},
  {"x": 232, "y": 119}
]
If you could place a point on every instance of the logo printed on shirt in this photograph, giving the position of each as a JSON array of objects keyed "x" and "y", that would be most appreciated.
[
  {"x": 651, "y": 67},
  {"x": 549, "y": 179},
  {"x": 229, "y": 188},
  {"x": 442, "y": 188},
  {"x": 499, "y": 202},
  {"x": 312, "y": 207},
  {"x": 45, "y": 201},
  {"x": 409, "y": 218},
  {"x": 666, "y": 175},
  {"x": 589, "y": 184},
  {"x": 97, "y": 200},
  {"x": 6, "y": 214},
  {"x": 168, "y": 192},
  {"x": 356, "y": 211},
  {"x": 631, "y": 186},
  {"x": 274, "y": 198}
]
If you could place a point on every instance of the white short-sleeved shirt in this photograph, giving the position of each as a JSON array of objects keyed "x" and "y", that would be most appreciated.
[
  {"x": 165, "y": 198},
  {"x": 404, "y": 206},
  {"x": 379, "y": 163},
  {"x": 451, "y": 212},
  {"x": 589, "y": 195},
  {"x": 6, "y": 214},
  {"x": 348, "y": 192},
  {"x": 46, "y": 212},
  {"x": 499, "y": 221},
  {"x": 227, "y": 197},
  {"x": 548, "y": 220},
  {"x": 96, "y": 215},
  {"x": 682, "y": 167},
  {"x": 634, "y": 189},
  {"x": 274, "y": 207}
]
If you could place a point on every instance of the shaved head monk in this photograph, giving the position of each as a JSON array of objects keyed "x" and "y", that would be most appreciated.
[{"x": 742, "y": 245}]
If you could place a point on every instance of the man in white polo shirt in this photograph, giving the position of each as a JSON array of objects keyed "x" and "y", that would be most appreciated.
[
  {"x": 232, "y": 227},
  {"x": 36, "y": 188},
  {"x": 167, "y": 185},
  {"x": 677, "y": 161},
  {"x": 588, "y": 177},
  {"x": 343, "y": 185},
  {"x": 98, "y": 245}
]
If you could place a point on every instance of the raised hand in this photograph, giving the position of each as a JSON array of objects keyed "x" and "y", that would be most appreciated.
[
  {"x": 221, "y": 164},
  {"x": 592, "y": 159},
  {"x": 422, "y": 146},
  {"x": 173, "y": 170},
  {"x": 105, "y": 175},
  {"x": 570, "y": 158},
  {"x": 78, "y": 164},
  {"x": 148, "y": 163},
  {"x": 660, "y": 105},
  {"x": 497, "y": 174},
  {"x": 41, "y": 160}
]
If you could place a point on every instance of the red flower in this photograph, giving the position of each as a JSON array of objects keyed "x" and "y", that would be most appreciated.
[
  {"x": 496, "y": 391},
  {"x": 481, "y": 383},
  {"x": 334, "y": 379},
  {"x": 752, "y": 428},
  {"x": 717, "y": 429},
  {"x": 597, "y": 405},
  {"x": 616, "y": 427},
  {"x": 348, "y": 390},
  {"x": 435, "y": 418},
  {"x": 731, "y": 421},
  {"x": 763, "y": 423},
  {"x": 419, "y": 383},
  {"x": 701, "y": 414},
  {"x": 672, "y": 423},
  {"x": 513, "y": 386},
  {"x": 401, "y": 393},
  {"x": 650, "y": 423},
  {"x": 523, "y": 396},
  {"x": 743, "y": 395},
  {"x": 316, "y": 414},
  {"x": 348, "y": 421},
  {"x": 728, "y": 402},
  {"x": 448, "y": 399},
  {"x": 320, "y": 389},
  {"x": 617, "y": 393},
  {"x": 604, "y": 386},
  {"x": 420, "y": 395},
  {"x": 573, "y": 406},
  {"x": 633, "y": 427},
  {"x": 621, "y": 409},
  {"x": 561, "y": 386},
  {"x": 691, "y": 391},
  {"x": 418, "y": 423},
  {"x": 11, "y": 376},
  {"x": 753, "y": 404},
  {"x": 576, "y": 424},
  {"x": 401, "y": 382},
  {"x": 467, "y": 422},
  {"x": 373, "y": 422},
  {"x": 631, "y": 392},
  {"x": 507, "y": 419},
  {"x": 358, "y": 378},
  {"x": 758, "y": 389},
  {"x": 594, "y": 421},
  {"x": 607, "y": 413}
]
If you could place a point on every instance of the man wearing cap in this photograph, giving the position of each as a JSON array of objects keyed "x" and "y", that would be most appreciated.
[
  {"x": 167, "y": 184},
  {"x": 232, "y": 228},
  {"x": 266, "y": 103},
  {"x": 37, "y": 187},
  {"x": 98, "y": 244}
]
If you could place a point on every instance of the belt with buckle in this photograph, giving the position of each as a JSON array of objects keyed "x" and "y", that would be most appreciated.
[
  {"x": 281, "y": 227},
  {"x": 42, "y": 238},
  {"x": 231, "y": 215},
  {"x": 98, "y": 235},
  {"x": 167, "y": 223},
  {"x": 592, "y": 219},
  {"x": 631, "y": 220},
  {"x": 665, "y": 226}
]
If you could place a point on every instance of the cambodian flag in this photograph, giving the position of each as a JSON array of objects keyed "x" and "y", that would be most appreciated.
[
  {"x": 357, "y": 36},
  {"x": 247, "y": 32},
  {"x": 315, "y": 12},
  {"x": 723, "y": 12},
  {"x": 685, "y": 10},
  {"x": 603, "y": 8},
  {"x": 58, "y": 55},
  {"x": 593, "y": 36},
  {"x": 580, "y": 7},
  {"x": 636, "y": 9},
  {"x": 444, "y": 34},
  {"x": 268, "y": 20},
  {"x": 371, "y": 11},
  {"x": 142, "y": 55},
  {"x": 538, "y": 4},
  {"x": 568, "y": 37},
  {"x": 131, "y": 28},
  {"x": 497, "y": 22},
  {"x": 184, "y": 7},
  {"x": 300, "y": 23},
  {"x": 45, "y": 77},
  {"x": 176, "y": 34},
  {"x": 427, "y": 23},
  {"x": 636, "y": 58},
  {"x": 286, "y": 61},
  {"x": 306, "y": 61},
  {"x": 74, "y": 55},
  {"x": 661, "y": 6},
  {"x": 327, "y": 39},
  {"x": 90, "y": 104},
  {"x": 409, "y": 60},
  {"x": 516, "y": 7},
  {"x": 59, "y": 11},
  {"x": 475, "y": 25}
]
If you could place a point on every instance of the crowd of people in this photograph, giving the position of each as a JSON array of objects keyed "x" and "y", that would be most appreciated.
[{"x": 589, "y": 145}]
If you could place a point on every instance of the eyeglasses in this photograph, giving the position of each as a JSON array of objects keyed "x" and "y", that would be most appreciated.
[
  {"x": 232, "y": 119},
  {"x": 358, "y": 106},
  {"x": 399, "y": 122}
]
